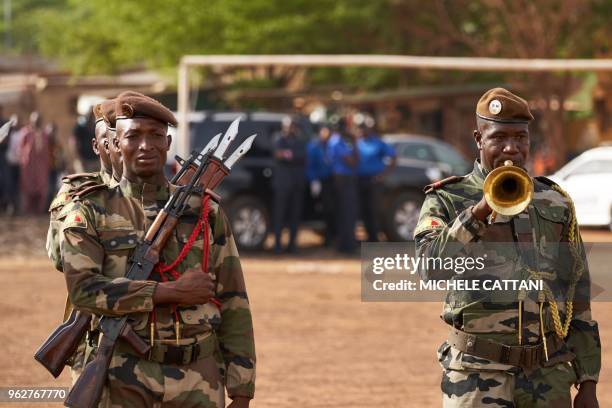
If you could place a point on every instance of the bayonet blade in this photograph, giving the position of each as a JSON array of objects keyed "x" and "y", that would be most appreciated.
[
  {"x": 209, "y": 147},
  {"x": 240, "y": 151},
  {"x": 230, "y": 135}
]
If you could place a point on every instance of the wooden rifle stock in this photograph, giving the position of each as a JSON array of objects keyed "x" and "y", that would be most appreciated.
[
  {"x": 214, "y": 173},
  {"x": 87, "y": 391},
  {"x": 163, "y": 234},
  {"x": 91, "y": 383},
  {"x": 63, "y": 342}
]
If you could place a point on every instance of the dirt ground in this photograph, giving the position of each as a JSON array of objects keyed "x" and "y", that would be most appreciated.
[{"x": 318, "y": 344}]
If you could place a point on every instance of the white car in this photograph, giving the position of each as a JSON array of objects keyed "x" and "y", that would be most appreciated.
[{"x": 588, "y": 180}]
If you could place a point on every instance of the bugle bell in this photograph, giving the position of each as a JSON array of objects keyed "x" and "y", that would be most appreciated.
[{"x": 508, "y": 189}]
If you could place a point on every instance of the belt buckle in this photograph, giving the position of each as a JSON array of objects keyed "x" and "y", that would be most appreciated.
[
  {"x": 173, "y": 355},
  {"x": 504, "y": 355}
]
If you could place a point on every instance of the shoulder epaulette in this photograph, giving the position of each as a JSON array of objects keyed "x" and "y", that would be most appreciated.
[
  {"x": 78, "y": 187},
  {"x": 546, "y": 181},
  {"x": 434, "y": 186},
  {"x": 65, "y": 196},
  {"x": 76, "y": 176},
  {"x": 89, "y": 190}
]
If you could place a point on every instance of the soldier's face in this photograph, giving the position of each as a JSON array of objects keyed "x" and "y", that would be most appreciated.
[
  {"x": 498, "y": 142},
  {"x": 144, "y": 144},
  {"x": 98, "y": 143}
]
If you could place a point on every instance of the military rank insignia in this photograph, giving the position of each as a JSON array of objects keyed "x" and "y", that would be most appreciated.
[
  {"x": 429, "y": 224},
  {"x": 75, "y": 219}
]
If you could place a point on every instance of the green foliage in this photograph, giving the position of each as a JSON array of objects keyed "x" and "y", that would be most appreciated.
[{"x": 107, "y": 36}]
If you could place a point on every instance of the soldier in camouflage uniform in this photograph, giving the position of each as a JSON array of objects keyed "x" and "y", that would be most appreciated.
[
  {"x": 76, "y": 183},
  {"x": 200, "y": 348},
  {"x": 494, "y": 355},
  {"x": 72, "y": 186}
]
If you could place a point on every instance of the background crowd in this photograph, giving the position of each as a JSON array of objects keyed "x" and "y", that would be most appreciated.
[
  {"x": 33, "y": 160},
  {"x": 344, "y": 166}
]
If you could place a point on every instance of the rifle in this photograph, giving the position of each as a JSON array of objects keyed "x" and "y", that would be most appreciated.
[
  {"x": 62, "y": 343},
  {"x": 88, "y": 388}
]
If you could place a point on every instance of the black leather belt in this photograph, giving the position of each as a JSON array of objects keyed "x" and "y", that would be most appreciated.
[{"x": 175, "y": 354}]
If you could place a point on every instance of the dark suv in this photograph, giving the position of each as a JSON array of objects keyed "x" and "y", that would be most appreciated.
[{"x": 247, "y": 192}]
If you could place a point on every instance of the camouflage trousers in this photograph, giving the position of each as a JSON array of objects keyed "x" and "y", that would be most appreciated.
[
  {"x": 545, "y": 387},
  {"x": 136, "y": 382},
  {"x": 468, "y": 381}
]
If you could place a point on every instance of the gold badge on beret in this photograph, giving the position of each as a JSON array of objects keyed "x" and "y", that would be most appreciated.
[{"x": 495, "y": 107}]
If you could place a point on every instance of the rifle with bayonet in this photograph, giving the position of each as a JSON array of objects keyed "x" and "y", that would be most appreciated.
[
  {"x": 210, "y": 169},
  {"x": 62, "y": 343}
]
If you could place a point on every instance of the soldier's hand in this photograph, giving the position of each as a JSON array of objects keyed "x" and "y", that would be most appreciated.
[
  {"x": 239, "y": 402},
  {"x": 481, "y": 210},
  {"x": 193, "y": 288},
  {"x": 587, "y": 396}
]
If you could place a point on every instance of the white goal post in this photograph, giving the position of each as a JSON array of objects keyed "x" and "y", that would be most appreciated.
[{"x": 389, "y": 61}]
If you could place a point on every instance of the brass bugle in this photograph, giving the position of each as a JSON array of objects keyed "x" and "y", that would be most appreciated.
[{"x": 508, "y": 189}]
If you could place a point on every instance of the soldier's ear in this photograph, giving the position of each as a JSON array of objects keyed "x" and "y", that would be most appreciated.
[
  {"x": 106, "y": 146},
  {"x": 478, "y": 139},
  {"x": 169, "y": 141},
  {"x": 116, "y": 143},
  {"x": 94, "y": 146}
]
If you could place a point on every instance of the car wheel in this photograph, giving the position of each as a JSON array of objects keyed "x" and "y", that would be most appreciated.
[
  {"x": 402, "y": 217},
  {"x": 250, "y": 222}
]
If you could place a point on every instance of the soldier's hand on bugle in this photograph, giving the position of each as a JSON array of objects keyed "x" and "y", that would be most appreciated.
[
  {"x": 481, "y": 210},
  {"x": 194, "y": 287}
]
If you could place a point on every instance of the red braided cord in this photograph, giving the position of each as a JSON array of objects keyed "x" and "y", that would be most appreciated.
[
  {"x": 206, "y": 246},
  {"x": 186, "y": 248},
  {"x": 205, "y": 235}
]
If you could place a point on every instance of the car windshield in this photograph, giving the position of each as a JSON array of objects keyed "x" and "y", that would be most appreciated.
[
  {"x": 452, "y": 158},
  {"x": 266, "y": 130},
  {"x": 414, "y": 150}
]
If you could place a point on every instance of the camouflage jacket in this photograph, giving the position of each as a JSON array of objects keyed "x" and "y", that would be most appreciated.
[
  {"x": 511, "y": 247},
  {"x": 99, "y": 234},
  {"x": 71, "y": 186}
]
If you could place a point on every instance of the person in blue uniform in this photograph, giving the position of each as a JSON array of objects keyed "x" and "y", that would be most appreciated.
[
  {"x": 376, "y": 160},
  {"x": 344, "y": 158},
  {"x": 319, "y": 175}
]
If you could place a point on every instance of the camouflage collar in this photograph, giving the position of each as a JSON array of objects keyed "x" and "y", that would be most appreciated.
[
  {"x": 479, "y": 173},
  {"x": 144, "y": 191},
  {"x": 105, "y": 176}
]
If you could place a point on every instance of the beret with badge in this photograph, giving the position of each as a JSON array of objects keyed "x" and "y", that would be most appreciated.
[
  {"x": 501, "y": 105},
  {"x": 130, "y": 105}
]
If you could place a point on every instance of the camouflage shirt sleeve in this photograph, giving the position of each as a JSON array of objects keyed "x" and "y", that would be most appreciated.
[
  {"x": 55, "y": 213},
  {"x": 583, "y": 336},
  {"x": 83, "y": 257},
  {"x": 235, "y": 332},
  {"x": 438, "y": 234}
]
